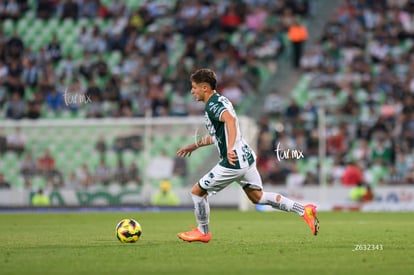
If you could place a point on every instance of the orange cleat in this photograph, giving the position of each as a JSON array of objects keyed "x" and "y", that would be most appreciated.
[
  {"x": 310, "y": 218},
  {"x": 194, "y": 236}
]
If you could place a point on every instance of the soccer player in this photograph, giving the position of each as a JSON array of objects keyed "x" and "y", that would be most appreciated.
[{"x": 237, "y": 161}]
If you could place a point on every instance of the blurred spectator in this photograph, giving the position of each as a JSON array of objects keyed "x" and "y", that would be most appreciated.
[
  {"x": 256, "y": 17},
  {"x": 120, "y": 144},
  {"x": 361, "y": 193},
  {"x": 55, "y": 101},
  {"x": 160, "y": 45},
  {"x": 4, "y": 184},
  {"x": 10, "y": 9},
  {"x": 33, "y": 109},
  {"x": 46, "y": 163},
  {"x": 233, "y": 92},
  {"x": 13, "y": 82},
  {"x": 72, "y": 182},
  {"x": 133, "y": 174},
  {"x": 17, "y": 141},
  {"x": 117, "y": 8},
  {"x": 15, "y": 46},
  {"x": 3, "y": 80},
  {"x": 3, "y": 142},
  {"x": 101, "y": 147},
  {"x": 45, "y": 9},
  {"x": 120, "y": 172},
  {"x": 30, "y": 74},
  {"x": 394, "y": 176},
  {"x": 94, "y": 96},
  {"x": 352, "y": 175},
  {"x": 103, "y": 173},
  {"x": 16, "y": 108},
  {"x": 160, "y": 104},
  {"x": 86, "y": 66},
  {"x": 69, "y": 9},
  {"x": 40, "y": 199},
  {"x": 336, "y": 172},
  {"x": 127, "y": 142},
  {"x": 297, "y": 34},
  {"x": 165, "y": 196},
  {"x": 293, "y": 110},
  {"x": 409, "y": 177},
  {"x": 277, "y": 175},
  {"x": 100, "y": 67},
  {"x": 27, "y": 185},
  {"x": 369, "y": 194},
  {"x": 84, "y": 176},
  {"x": 402, "y": 166},
  {"x": 294, "y": 178},
  {"x": 362, "y": 153},
  {"x": 46, "y": 166},
  {"x": 357, "y": 192},
  {"x": 336, "y": 142},
  {"x": 164, "y": 161},
  {"x": 95, "y": 42},
  {"x": 28, "y": 167},
  {"x": 178, "y": 104},
  {"x": 230, "y": 20},
  {"x": 89, "y": 8},
  {"x": 180, "y": 167},
  {"x": 67, "y": 67},
  {"x": 381, "y": 151},
  {"x": 377, "y": 173},
  {"x": 287, "y": 18},
  {"x": 54, "y": 50}
]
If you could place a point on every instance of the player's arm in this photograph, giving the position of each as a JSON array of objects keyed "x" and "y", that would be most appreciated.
[
  {"x": 231, "y": 128},
  {"x": 187, "y": 150}
]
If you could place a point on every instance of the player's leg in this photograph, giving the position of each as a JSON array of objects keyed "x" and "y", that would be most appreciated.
[
  {"x": 275, "y": 200},
  {"x": 252, "y": 186},
  {"x": 214, "y": 181},
  {"x": 202, "y": 215},
  {"x": 201, "y": 208}
]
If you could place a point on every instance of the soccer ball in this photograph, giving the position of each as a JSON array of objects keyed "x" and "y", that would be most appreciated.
[{"x": 128, "y": 231}]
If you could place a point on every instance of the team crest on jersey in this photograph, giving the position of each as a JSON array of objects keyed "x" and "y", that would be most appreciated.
[{"x": 247, "y": 152}]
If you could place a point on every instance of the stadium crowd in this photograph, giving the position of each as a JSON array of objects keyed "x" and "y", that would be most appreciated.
[
  {"x": 137, "y": 61},
  {"x": 112, "y": 58},
  {"x": 362, "y": 72}
]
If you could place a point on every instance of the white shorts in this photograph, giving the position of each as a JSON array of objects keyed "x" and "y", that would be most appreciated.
[{"x": 220, "y": 177}]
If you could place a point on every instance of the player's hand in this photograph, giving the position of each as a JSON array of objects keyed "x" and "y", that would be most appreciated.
[
  {"x": 232, "y": 157},
  {"x": 186, "y": 151}
]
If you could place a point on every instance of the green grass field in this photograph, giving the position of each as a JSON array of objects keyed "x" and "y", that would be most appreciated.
[{"x": 243, "y": 243}]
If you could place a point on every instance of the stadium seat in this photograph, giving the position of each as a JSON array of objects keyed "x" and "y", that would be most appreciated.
[
  {"x": 23, "y": 26},
  {"x": 8, "y": 27},
  {"x": 38, "y": 182},
  {"x": 133, "y": 4},
  {"x": 67, "y": 26},
  {"x": 129, "y": 156}
]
